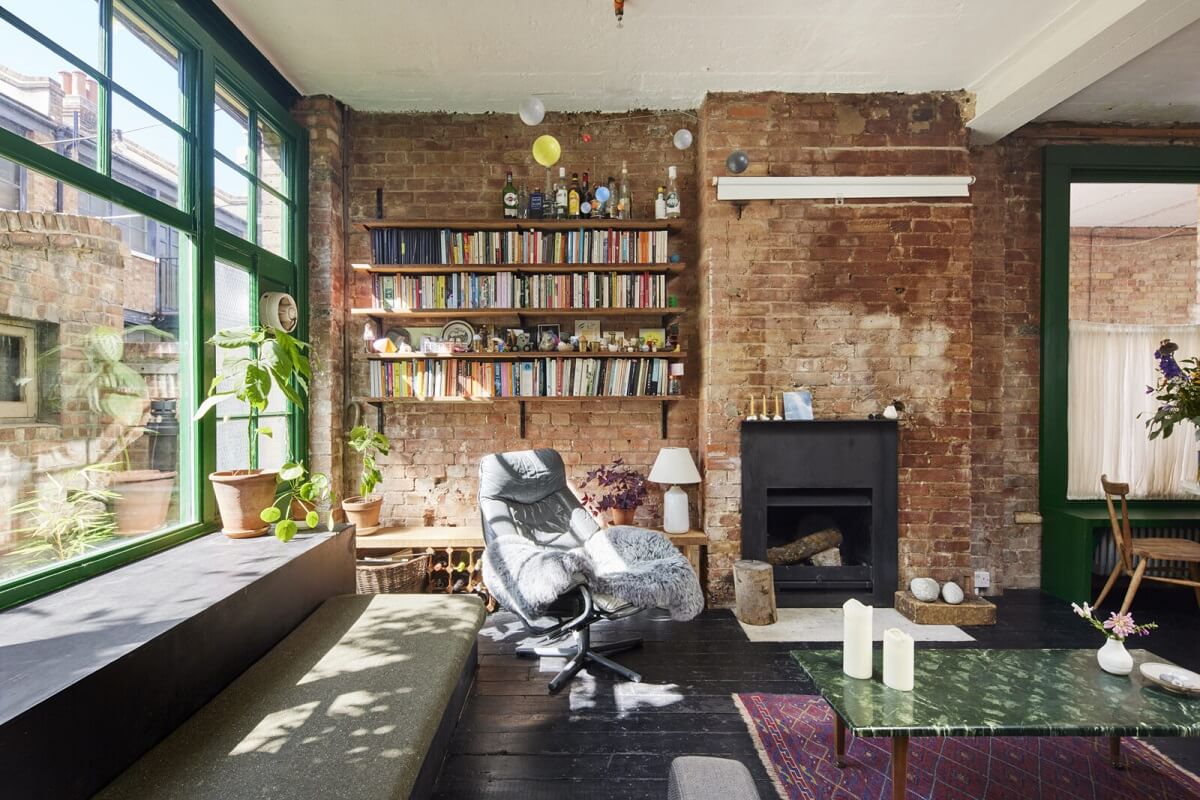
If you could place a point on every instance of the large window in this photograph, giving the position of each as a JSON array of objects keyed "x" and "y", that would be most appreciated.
[{"x": 140, "y": 254}]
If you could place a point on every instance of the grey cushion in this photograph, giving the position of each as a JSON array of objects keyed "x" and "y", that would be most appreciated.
[
  {"x": 525, "y": 494},
  {"x": 345, "y": 707},
  {"x": 706, "y": 778}
]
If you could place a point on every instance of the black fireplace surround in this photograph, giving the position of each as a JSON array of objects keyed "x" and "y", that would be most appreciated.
[{"x": 802, "y": 477}]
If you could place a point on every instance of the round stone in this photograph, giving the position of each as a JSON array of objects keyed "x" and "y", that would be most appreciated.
[
  {"x": 924, "y": 589},
  {"x": 952, "y": 593}
]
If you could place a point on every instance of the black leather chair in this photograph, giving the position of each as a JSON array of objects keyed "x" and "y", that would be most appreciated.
[{"x": 524, "y": 494}]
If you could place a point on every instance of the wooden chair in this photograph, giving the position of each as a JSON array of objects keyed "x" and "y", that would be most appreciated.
[{"x": 1143, "y": 551}]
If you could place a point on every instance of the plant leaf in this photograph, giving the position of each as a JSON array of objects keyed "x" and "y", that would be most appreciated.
[
  {"x": 291, "y": 471},
  {"x": 211, "y": 403},
  {"x": 270, "y": 514},
  {"x": 285, "y": 530},
  {"x": 312, "y": 519}
]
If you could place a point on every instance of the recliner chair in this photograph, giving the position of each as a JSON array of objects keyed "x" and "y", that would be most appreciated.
[{"x": 524, "y": 494}]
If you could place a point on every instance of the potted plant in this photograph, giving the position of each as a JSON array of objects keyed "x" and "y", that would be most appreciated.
[
  {"x": 624, "y": 489},
  {"x": 68, "y": 521},
  {"x": 363, "y": 510},
  {"x": 303, "y": 494},
  {"x": 270, "y": 357}
]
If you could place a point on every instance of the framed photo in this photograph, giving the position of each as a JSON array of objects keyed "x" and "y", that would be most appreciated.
[
  {"x": 655, "y": 337},
  {"x": 588, "y": 330},
  {"x": 548, "y": 337},
  {"x": 798, "y": 405}
]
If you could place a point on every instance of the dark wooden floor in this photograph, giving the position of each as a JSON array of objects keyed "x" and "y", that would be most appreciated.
[{"x": 601, "y": 738}]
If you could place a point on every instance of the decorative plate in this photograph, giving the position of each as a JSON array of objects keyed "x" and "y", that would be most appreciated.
[
  {"x": 1172, "y": 678},
  {"x": 460, "y": 332}
]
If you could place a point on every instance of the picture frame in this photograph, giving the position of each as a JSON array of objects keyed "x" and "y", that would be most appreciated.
[
  {"x": 797, "y": 405},
  {"x": 588, "y": 330},
  {"x": 655, "y": 337},
  {"x": 548, "y": 336}
]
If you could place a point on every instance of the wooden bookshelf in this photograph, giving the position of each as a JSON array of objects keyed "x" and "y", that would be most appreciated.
[
  {"x": 526, "y": 269},
  {"x": 524, "y": 224},
  {"x": 492, "y": 313},
  {"x": 665, "y": 398},
  {"x": 521, "y": 355}
]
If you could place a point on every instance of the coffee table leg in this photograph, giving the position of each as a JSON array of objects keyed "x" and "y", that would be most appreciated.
[
  {"x": 899, "y": 767},
  {"x": 839, "y": 740},
  {"x": 1114, "y": 752}
]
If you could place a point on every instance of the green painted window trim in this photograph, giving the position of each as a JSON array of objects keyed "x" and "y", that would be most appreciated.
[
  {"x": 209, "y": 46},
  {"x": 1062, "y": 166}
]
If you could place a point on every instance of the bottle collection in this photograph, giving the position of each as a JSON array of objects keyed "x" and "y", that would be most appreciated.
[{"x": 579, "y": 198}]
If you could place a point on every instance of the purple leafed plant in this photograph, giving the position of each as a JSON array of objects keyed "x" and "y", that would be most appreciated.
[
  {"x": 1177, "y": 391},
  {"x": 619, "y": 486}
]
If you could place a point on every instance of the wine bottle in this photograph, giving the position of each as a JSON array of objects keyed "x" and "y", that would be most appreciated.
[
  {"x": 560, "y": 195},
  {"x": 523, "y": 202},
  {"x": 625, "y": 199},
  {"x": 573, "y": 197},
  {"x": 610, "y": 208},
  {"x": 672, "y": 199},
  {"x": 660, "y": 205},
  {"x": 508, "y": 197}
]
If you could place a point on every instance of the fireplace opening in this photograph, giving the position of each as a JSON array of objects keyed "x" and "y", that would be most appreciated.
[{"x": 801, "y": 520}]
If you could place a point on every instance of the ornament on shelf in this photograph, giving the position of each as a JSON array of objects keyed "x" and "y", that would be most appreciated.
[
  {"x": 370, "y": 334},
  {"x": 602, "y": 194},
  {"x": 619, "y": 10},
  {"x": 753, "y": 415},
  {"x": 385, "y": 345},
  {"x": 532, "y": 111},
  {"x": 587, "y": 138},
  {"x": 737, "y": 161},
  {"x": 682, "y": 139},
  {"x": 778, "y": 417},
  {"x": 546, "y": 150}
]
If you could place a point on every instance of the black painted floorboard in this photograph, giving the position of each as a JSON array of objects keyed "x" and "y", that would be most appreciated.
[{"x": 606, "y": 739}]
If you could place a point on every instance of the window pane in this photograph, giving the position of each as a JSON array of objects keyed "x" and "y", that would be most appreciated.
[
  {"x": 146, "y": 153},
  {"x": 273, "y": 450},
  {"x": 272, "y": 167},
  {"x": 272, "y": 225},
  {"x": 232, "y": 311},
  {"x": 72, "y": 24},
  {"x": 146, "y": 64},
  {"x": 10, "y": 185},
  {"x": 46, "y": 97},
  {"x": 14, "y": 364},
  {"x": 231, "y": 128},
  {"x": 105, "y": 465},
  {"x": 233, "y": 449},
  {"x": 231, "y": 199}
]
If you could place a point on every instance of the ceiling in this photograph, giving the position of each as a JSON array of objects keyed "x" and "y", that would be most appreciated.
[
  {"x": 1135, "y": 205},
  {"x": 1160, "y": 86},
  {"x": 483, "y": 55}
]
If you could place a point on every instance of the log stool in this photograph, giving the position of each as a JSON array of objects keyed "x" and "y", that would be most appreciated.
[{"x": 754, "y": 592}]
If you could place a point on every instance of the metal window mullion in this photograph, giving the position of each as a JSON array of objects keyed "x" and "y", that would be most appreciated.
[
  {"x": 50, "y": 44},
  {"x": 104, "y": 111},
  {"x": 252, "y": 164},
  {"x": 227, "y": 161}
]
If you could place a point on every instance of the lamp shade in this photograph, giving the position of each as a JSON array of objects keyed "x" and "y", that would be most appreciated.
[{"x": 674, "y": 465}]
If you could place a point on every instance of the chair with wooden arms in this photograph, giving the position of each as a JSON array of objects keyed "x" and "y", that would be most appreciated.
[{"x": 1135, "y": 555}]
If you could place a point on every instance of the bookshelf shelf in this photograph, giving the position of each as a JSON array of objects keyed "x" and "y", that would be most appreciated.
[
  {"x": 520, "y": 355},
  {"x": 524, "y": 224},
  {"x": 504, "y": 313},
  {"x": 527, "y": 269},
  {"x": 665, "y": 398}
]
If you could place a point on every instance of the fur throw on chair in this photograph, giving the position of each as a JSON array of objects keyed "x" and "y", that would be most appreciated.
[{"x": 633, "y": 565}]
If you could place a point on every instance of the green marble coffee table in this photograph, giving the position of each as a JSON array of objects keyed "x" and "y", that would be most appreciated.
[{"x": 981, "y": 692}]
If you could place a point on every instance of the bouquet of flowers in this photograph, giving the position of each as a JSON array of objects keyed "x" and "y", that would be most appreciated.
[
  {"x": 1117, "y": 626},
  {"x": 1177, "y": 392}
]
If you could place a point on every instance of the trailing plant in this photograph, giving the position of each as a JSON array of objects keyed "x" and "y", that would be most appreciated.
[
  {"x": 69, "y": 521},
  {"x": 622, "y": 487},
  {"x": 370, "y": 445},
  {"x": 269, "y": 358},
  {"x": 308, "y": 490}
]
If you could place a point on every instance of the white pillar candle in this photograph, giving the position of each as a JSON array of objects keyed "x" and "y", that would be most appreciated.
[
  {"x": 856, "y": 639},
  {"x": 897, "y": 660}
]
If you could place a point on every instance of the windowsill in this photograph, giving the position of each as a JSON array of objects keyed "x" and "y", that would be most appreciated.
[{"x": 53, "y": 642}]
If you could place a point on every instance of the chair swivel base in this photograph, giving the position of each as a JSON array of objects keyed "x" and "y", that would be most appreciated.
[{"x": 580, "y": 653}]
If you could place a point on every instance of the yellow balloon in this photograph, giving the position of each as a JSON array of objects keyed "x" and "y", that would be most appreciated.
[{"x": 546, "y": 151}]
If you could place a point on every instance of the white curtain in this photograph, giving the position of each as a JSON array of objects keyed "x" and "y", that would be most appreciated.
[{"x": 1109, "y": 369}]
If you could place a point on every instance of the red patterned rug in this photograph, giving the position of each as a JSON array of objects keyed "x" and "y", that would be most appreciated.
[{"x": 794, "y": 736}]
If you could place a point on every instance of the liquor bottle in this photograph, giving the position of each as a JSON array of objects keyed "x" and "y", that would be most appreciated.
[
  {"x": 537, "y": 203},
  {"x": 573, "y": 197},
  {"x": 625, "y": 199},
  {"x": 560, "y": 195},
  {"x": 585, "y": 197},
  {"x": 610, "y": 208},
  {"x": 523, "y": 202},
  {"x": 673, "y": 209},
  {"x": 509, "y": 197},
  {"x": 660, "y": 205}
]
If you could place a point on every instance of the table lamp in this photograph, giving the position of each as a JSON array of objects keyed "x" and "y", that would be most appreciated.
[{"x": 674, "y": 465}]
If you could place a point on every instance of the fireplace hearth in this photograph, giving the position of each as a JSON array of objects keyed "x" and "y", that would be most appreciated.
[{"x": 801, "y": 478}]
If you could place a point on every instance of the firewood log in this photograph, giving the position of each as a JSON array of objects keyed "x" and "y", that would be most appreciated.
[{"x": 804, "y": 547}]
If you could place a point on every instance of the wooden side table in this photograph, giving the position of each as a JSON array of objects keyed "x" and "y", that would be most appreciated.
[{"x": 692, "y": 545}]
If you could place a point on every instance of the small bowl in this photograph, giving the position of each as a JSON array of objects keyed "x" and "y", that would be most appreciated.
[{"x": 1172, "y": 678}]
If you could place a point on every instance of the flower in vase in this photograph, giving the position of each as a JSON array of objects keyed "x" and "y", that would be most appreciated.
[{"x": 1117, "y": 626}]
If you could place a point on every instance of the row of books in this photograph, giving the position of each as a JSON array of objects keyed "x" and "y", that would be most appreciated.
[
  {"x": 444, "y": 246},
  {"x": 469, "y": 290},
  {"x": 441, "y": 378}
]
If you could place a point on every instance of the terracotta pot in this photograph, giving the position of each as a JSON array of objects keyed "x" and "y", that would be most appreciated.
[
  {"x": 143, "y": 500},
  {"x": 623, "y": 516},
  {"x": 363, "y": 513},
  {"x": 241, "y": 496}
]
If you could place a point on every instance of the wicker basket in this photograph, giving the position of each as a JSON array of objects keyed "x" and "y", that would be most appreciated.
[{"x": 403, "y": 575}]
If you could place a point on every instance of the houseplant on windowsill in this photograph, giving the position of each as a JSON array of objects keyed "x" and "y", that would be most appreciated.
[
  {"x": 624, "y": 490},
  {"x": 246, "y": 498},
  {"x": 363, "y": 510},
  {"x": 1177, "y": 394},
  {"x": 1113, "y": 657},
  {"x": 68, "y": 520}
]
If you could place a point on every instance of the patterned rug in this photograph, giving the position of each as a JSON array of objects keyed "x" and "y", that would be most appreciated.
[{"x": 794, "y": 737}]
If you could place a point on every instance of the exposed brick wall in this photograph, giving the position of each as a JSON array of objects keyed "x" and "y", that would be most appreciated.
[
  {"x": 444, "y": 166},
  {"x": 1133, "y": 276}
]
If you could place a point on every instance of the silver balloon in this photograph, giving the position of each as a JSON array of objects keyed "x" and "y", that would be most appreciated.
[
  {"x": 683, "y": 139},
  {"x": 533, "y": 111},
  {"x": 737, "y": 161}
]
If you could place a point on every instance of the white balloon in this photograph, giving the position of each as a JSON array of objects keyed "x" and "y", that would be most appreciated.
[
  {"x": 533, "y": 111},
  {"x": 683, "y": 139}
]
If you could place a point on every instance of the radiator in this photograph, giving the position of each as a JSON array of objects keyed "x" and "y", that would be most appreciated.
[{"x": 1104, "y": 557}]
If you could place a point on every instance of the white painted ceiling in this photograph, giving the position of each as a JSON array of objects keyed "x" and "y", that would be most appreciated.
[
  {"x": 487, "y": 55},
  {"x": 1135, "y": 205},
  {"x": 1160, "y": 86}
]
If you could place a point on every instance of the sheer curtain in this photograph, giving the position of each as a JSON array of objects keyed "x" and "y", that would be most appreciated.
[{"x": 1110, "y": 368}]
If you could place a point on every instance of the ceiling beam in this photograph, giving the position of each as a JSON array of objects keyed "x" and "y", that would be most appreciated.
[{"x": 1081, "y": 46}]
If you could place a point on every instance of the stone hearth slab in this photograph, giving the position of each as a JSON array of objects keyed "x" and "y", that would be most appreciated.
[{"x": 974, "y": 610}]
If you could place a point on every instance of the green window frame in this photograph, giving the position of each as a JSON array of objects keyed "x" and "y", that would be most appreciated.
[
  {"x": 1062, "y": 166},
  {"x": 210, "y": 49}
]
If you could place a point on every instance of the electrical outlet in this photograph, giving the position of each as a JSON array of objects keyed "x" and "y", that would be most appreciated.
[{"x": 983, "y": 579}]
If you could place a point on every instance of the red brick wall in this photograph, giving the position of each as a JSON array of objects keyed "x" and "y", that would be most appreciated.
[{"x": 1133, "y": 276}]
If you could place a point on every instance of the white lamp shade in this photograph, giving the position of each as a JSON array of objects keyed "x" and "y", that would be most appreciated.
[{"x": 674, "y": 465}]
